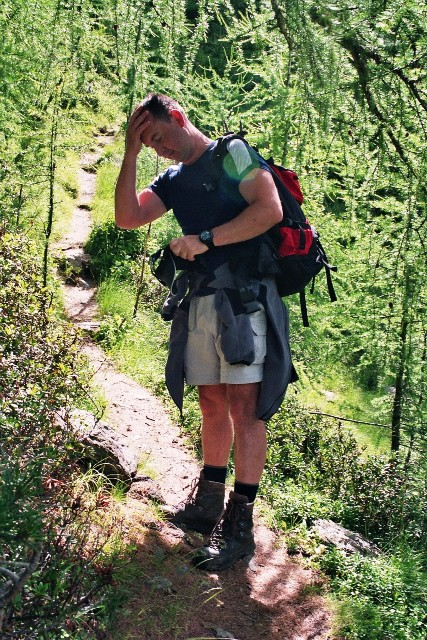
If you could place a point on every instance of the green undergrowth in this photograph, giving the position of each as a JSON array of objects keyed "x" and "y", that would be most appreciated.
[
  {"x": 66, "y": 190},
  {"x": 336, "y": 393},
  {"x": 381, "y": 598},
  {"x": 107, "y": 169},
  {"x": 56, "y": 518},
  {"x": 137, "y": 344}
]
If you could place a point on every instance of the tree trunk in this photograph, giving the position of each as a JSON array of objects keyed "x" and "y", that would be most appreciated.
[
  {"x": 403, "y": 353},
  {"x": 399, "y": 385}
]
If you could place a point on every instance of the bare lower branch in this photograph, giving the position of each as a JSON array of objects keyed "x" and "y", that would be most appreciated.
[{"x": 15, "y": 583}]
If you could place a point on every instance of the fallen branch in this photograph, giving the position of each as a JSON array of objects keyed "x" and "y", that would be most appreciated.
[
  {"x": 16, "y": 580},
  {"x": 330, "y": 415}
]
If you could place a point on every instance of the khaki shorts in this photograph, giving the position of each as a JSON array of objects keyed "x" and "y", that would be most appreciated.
[{"x": 204, "y": 360}]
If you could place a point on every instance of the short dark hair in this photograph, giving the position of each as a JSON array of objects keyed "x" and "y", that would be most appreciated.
[{"x": 160, "y": 106}]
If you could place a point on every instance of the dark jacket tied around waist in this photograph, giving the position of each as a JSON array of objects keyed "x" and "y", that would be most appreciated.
[{"x": 237, "y": 341}]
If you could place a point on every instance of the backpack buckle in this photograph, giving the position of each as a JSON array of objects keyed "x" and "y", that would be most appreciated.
[{"x": 248, "y": 300}]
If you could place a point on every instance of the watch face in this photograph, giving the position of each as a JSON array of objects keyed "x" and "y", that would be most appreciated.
[{"x": 207, "y": 238}]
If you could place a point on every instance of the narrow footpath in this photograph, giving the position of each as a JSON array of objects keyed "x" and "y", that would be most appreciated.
[{"x": 274, "y": 598}]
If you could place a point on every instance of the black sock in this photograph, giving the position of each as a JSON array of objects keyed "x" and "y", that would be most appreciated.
[
  {"x": 215, "y": 474},
  {"x": 248, "y": 490}
]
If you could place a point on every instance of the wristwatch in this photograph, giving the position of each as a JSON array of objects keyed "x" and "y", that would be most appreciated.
[{"x": 207, "y": 238}]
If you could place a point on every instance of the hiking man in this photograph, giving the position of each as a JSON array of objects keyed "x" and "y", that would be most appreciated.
[{"x": 229, "y": 335}]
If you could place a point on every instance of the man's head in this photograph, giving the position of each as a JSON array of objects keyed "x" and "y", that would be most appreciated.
[
  {"x": 168, "y": 130},
  {"x": 161, "y": 106}
]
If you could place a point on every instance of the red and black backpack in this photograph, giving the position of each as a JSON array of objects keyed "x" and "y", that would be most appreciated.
[{"x": 291, "y": 250}]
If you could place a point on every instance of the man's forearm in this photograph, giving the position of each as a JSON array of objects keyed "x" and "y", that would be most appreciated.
[
  {"x": 253, "y": 221},
  {"x": 264, "y": 210},
  {"x": 126, "y": 200}
]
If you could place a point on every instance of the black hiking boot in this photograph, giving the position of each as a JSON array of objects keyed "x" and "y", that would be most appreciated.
[
  {"x": 232, "y": 539},
  {"x": 203, "y": 507}
]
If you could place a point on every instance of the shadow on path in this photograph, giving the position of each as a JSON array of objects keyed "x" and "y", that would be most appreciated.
[{"x": 272, "y": 599}]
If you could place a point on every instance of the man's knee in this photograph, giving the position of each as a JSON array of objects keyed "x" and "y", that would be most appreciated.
[
  {"x": 242, "y": 401},
  {"x": 213, "y": 400}
]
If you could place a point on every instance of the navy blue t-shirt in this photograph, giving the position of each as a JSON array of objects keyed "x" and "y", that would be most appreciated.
[{"x": 205, "y": 194}]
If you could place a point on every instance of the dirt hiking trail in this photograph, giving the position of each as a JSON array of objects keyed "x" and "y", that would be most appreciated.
[{"x": 274, "y": 598}]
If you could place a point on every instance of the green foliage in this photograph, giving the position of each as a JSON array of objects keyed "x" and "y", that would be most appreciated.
[
  {"x": 19, "y": 520},
  {"x": 41, "y": 512},
  {"x": 315, "y": 469},
  {"x": 36, "y": 355},
  {"x": 141, "y": 350},
  {"x": 112, "y": 250},
  {"x": 102, "y": 204},
  {"x": 296, "y": 503},
  {"x": 49, "y": 81},
  {"x": 378, "y": 598}
]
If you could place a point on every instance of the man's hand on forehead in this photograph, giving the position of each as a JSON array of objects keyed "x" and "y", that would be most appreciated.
[
  {"x": 137, "y": 126},
  {"x": 142, "y": 121}
]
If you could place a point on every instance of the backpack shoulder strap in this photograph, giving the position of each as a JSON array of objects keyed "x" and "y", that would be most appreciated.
[
  {"x": 222, "y": 143},
  {"x": 291, "y": 207}
]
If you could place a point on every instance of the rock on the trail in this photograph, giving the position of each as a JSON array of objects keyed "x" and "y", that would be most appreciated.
[
  {"x": 350, "y": 542},
  {"x": 145, "y": 488},
  {"x": 105, "y": 445},
  {"x": 160, "y": 583}
]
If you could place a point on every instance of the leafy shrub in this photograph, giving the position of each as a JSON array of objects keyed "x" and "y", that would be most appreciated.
[
  {"x": 113, "y": 250},
  {"x": 37, "y": 353},
  {"x": 297, "y": 502},
  {"x": 19, "y": 520},
  {"x": 319, "y": 463},
  {"x": 382, "y": 500},
  {"x": 45, "y": 526},
  {"x": 304, "y": 446},
  {"x": 379, "y": 598},
  {"x": 111, "y": 331}
]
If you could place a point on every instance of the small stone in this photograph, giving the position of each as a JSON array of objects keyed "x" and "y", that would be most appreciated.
[
  {"x": 220, "y": 633},
  {"x": 159, "y": 554},
  {"x": 88, "y": 327},
  {"x": 145, "y": 487},
  {"x": 329, "y": 395},
  {"x": 253, "y": 566},
  {"x": 158, "y": 583},
  {"x": 83, "y": 284},
  {"x": 182, "y": 569}
]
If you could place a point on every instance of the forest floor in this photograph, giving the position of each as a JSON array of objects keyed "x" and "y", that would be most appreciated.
[{"x": 273, "y": 598}]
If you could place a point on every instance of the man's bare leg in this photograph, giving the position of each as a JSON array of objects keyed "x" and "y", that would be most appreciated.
[
  {"x": 250, "y": 443},
  {"x": 234, "y": 538},
  {"x": 229, "y": 410},
  {"x": 217, "y": 426},
  {"x": 203, "y": 509}
]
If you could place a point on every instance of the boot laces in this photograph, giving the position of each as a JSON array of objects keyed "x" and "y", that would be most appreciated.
[
  {"x": 226, "y": 528},
  {"x": 192, "y": 496}
]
